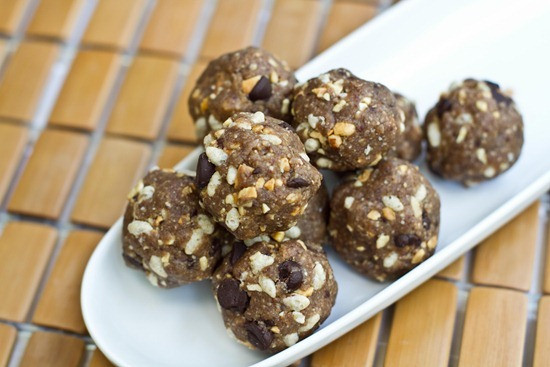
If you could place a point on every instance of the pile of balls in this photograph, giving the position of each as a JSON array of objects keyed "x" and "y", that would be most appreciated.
[{"x": 256, "y": 214}]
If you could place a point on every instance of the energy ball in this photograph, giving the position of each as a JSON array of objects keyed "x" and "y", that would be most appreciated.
[
  {"x": 166, "y": 233},
  {"x": 409, "y": 141},
  {"x": 385, "y": 220},
  {"x": 474, "y": 132},
  {"x": 271, "y": 295},
  {"x": 247, "y": 80},
  {"x": 255, "y": 177},
  {"x": 345, "y": 122},
  {"x": 310, "y": 228}
]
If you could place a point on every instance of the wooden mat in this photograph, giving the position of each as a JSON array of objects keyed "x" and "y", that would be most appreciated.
[{"x": 93, "y": 94}]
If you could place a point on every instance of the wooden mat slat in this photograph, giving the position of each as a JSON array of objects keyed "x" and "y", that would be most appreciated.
[
  {"x": 504, "y": 257},
  {"x": 11, "y": 14},
  {"x": 12, "y": 143},
  {"x": 139, "y": 111},
  {"x": 422, "y": 327},
  {"x": 2, "y": 50},
  {"x": 117, "y": 166},
  {"x": 86, "y": 90},
  {"x": 172, "y": 154},
  {"x": 356, "y": 348},
  {"x": 55, "y": 18},
  {"x": 232, "y": 27},
  {"x": 181, "y": 126},
  {"x": 49, "y": 174},
  {"x": 343, "y": 18},
  {"x": 494, "y": 328},
  {"x": 24, "y": 79},
  {"x": 455, "y": 270},
  {"x": 292, "y": 30},
  {"x": 114, "y": 23},
  {"x": 99, "y": 360},
  {"x": 59, "y": 304},
  {"x": 542, "y": 339},
  {"x": 47, "y": 349},
  {"x": 8, "y": 334},
  {"x": 546, "y": 270},
  {"x": 171, "y": 26},
  {"x": 25, "y": 249}
]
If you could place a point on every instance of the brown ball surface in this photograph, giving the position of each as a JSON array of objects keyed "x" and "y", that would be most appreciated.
[
  {"x": 385, "y": 220},
  {"x": 474, "y": 133},
  {"x": 166, "y": 234},
  {"x": 409, "y": 141},
  {"x": 271, "y": 295},
  {"x": 247, "y": 80},
  {"x": 345, "y": 122},
  {"x": 255, "y": 177}
]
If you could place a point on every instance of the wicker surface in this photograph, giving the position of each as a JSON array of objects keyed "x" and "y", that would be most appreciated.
[{"x": 92, "y": 93}]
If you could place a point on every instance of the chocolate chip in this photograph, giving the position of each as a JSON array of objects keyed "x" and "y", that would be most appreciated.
[
  {"x": 237, "y": 252},
  {"x": 290, "y": 272},
  {"x": 492, "y": 85},
  {"x": 403, "y": 240},
  {"x": 297, "y": 182},
  {"x": 205, "y": 170},
  {"x": 258, "y": 335},
  {"x": 216, "y": 247},
  {"x": 257, "y": 170},
  {"x": 285, "y": 125},
  {"x": 132, "y": 262},
  {"x": 231, "y": 296},
  {"x": 190, "y": 262},
  {"x": 426, "y": 221},
  {"x": 499, "y": 97},
  {"x": 443, "y": 106},
  {"x": 261, "y": 91}
]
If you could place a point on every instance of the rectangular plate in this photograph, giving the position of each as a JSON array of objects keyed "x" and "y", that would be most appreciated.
[{"x": 418, "y": 47}]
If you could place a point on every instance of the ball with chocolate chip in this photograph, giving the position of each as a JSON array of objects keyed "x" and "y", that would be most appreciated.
[
  {"x": 409, "y": 141},
  {"x": 474, "y": 132},
  {"x": 167, "y": 234},
  {"x": 345, "y": 122},
  {"x": 271, "y": 295},
  {"x": 247, "y": 80},
  {"x": 385, "y": 220},
  {"x": 255, "y": 177}
]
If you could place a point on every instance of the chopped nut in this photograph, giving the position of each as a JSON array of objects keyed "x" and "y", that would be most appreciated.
[
  {"x": 388, "y": 213},
  {"x": 393, "y": 202},
  {"x": 481, "y": 155},
  {"x": 270, "y": 185},
  {"x": 418, "y": 256},
  {"x": 348, "y": 202},
  {"x": 415, "y": 205},
  {"x": 338, "y": 106},
  {"x": 434, "y": 135},
  {"x": 278, "y": 236},
  {"x": 335, "y": 141},
  {"x": 373, "y": 215},
  {"x": 232, "y": 219},
  {"x": 482, "y": 106},
  {"x": 248, "y": 84},
  {"x": 265, "y": 208},
  {"x": 247, "y": 193},
  {"x": 432, "y": 242},
  {"x": 344, "y": 128},
  {"x": 390, "y": 260},
  {"x": 382, "y": 240},
  {"x": 284, "y": 165}
]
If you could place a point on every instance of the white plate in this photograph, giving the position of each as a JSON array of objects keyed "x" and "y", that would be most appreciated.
[{"x": 417, "y": 47}]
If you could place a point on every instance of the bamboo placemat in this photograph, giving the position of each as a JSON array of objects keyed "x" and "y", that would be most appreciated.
[{"x": 93, "y": 93}]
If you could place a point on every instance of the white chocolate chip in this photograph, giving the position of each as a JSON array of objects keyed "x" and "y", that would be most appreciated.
[
  {"x": 319, "y": 276},
  {"x": 232, "y": 219},
  {"x": 311, "y": 145},
  {"x": 258, "y": 261},
  {"x": 205, "y": 224},
  {"x": 139, "y": 227},
  {"x": 298, "y": 317},
  {"x": 348, "y": 202},
  {"x": 382, "y": 240},
  {"x": 293, "y": 232},
  {"x": 390, "y": 260},
  {"x": 216, "y": 155},
  {"x": 415, "y": 205},
  {"x": 231, "y": 175},
  {"x": 258, "y": 117},
  {"x": 290, "y": 339},
  {"x": 268, "y": 286},
  {"x": 194, "y": 241},
  {"x": 155, "y": 263},
  {"x": 203, "y": 263},
  {"x": 393, "y": 202},
  {"x": 146, "y": 193},
  {"x": 273, "y": 139},
  {"x": 421, "y": 193},
  {"x": 481, "y": 155},
  {"x": 311, "y": 322},
  {"x": 213, "y": 184},
  {"x": 434, "y": 136},
  {"x": 296, "y": 302},
  {"x": 344, "y": 128}
]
